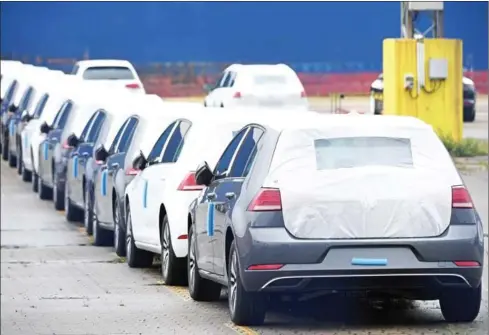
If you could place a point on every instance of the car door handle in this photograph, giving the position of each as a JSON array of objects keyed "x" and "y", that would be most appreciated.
[
  {"x": 211, "y": 196},
  {"x": 114, "y": 165},
  {"x": 230, "y": 195}
]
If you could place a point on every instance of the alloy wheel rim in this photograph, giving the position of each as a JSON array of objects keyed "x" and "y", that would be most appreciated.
[
  {"x": 116, "y": 227},
  {"x": 191, "y": 264},
  {"x": 165, "y": 248},
  {"x": 233, "y": 287},
  {"x": 67, "y": 200},
  {"x": 87, "y": 210},
  {"x": 55, "y": 191}
]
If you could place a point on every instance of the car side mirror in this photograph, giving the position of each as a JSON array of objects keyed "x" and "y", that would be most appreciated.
[
  {"x": 25, "y": 117},
  {"x": 139, "y": 163},
  {"x": 45, "y": 128},
  {"x": 72, "y": 141},
  {"x": 203, "y": 174},
  {"x": 101, "y": 154},
  {"x": 12, "y": 108}
]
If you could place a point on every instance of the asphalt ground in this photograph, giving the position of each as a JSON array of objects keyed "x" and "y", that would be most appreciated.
[{"x": 53, "y": 281}]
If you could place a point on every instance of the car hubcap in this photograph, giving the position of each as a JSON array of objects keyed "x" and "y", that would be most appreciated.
[
  {"x": 87, "y": 210},
  {"x": 233, "y": 285},
  {"x": 165, "y": 249},
  {"x": 128, "y": 236},
  {"x": 116, "y": 228},
  {"x": 191, "y": 263},
  {"x": 55, "y": 192}
]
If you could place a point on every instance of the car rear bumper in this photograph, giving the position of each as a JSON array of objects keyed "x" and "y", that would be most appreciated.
[{"x": 311, "y": 265}]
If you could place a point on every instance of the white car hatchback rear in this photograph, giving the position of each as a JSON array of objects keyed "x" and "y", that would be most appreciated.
[
  {"x": 257, "y": 85},
  {"x": 120, "y": 73}
]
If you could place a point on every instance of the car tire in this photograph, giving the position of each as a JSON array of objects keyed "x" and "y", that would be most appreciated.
[
  {"x": 72, "y": 213},
  {"x": 173, "y": 269},
  {"x": 222, "y": 105},
  {"x": 101, "y": 237},
  {"x": 245, "y": 308},
  {"x": 26, "y": 174},
  {"x": 119, "y": 235},
  {"x": 461, "y": 305},
  {"x": 44, "y": 192},
  {"x": 19, "y": 160},
  {"x": 88, "y": 212},
  {"x": 136, "y": 258},
  {"x": 5, "y": 150},
  {"x": 200, "y": 289},
  {"x": 12, "y": 160},
  {"x": 58, "y": 196},
  {"x": 35, "y": 182},
  {"x": 470, "y": 117}
]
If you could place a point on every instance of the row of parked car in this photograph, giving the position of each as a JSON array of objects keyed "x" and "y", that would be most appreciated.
[{"x": 267, "y": 202}]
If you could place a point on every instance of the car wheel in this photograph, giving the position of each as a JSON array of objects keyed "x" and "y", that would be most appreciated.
[
  {"x": 119, "y": 236},
  {"x": 19, "y": 160},
  {"x": 44, "y": 192},
  {"x": 200, "y": 289},
  {"x": 101, "y": 236},
  {"x": 461, "y": 305},
  {"x": 222, "y": 105},
  {"x": 245, "y": 308},
  {"x": 35, "y": 182},
  {"x": 58, "y": 196},
  {"x": 136, "y": 258},
  {"x": 72, "y": 213},
  {"x": 26, "y": 174},
  {"x": 173, "y": 269},
  {"x": 5, "y": 149},
  {"x": 88, "y": 212},
  {"x": 12, "y": 160},
  {"x": 470, "y": 116}
]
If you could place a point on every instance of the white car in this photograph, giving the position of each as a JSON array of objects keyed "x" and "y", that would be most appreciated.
[
  {"x": 120, "y": 73},
  {"x": 9, "y": 66},
  {"x": 257, "y": 85},
  {"x": 158, "y": 198}
]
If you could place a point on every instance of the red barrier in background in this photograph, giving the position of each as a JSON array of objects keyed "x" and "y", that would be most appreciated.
[{"x": 314, "y": 84}]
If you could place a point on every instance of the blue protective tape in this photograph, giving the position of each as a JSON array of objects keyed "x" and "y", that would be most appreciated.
[
  {"x": 75, "y": 166},
  {"x": 12, "y": 127},
  {"x": 103, "y": 188},
  {"x": 26, "y": 143},
  {"x": 210, "y": 219},
  {"x": 145, "y": 194},
  {"x": 369, "y": 261},
  {"x": 45, "y": 150}
]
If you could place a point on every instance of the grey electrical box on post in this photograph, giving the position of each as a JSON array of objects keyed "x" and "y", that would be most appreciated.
[{"x": 438, "y": 68}]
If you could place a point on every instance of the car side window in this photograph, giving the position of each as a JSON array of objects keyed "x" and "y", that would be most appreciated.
[
  {"x": 11, "y": 91},
  {"x": 62, "y": 115},
  {"x": 232, "y": 79},
  {"x": 75, "y": 69},
  {"x": 87, "y": 127},
  {"x": 176, "y": 142},
  {"x": 40, "y": 106},
  {"x": 127, "y": 136},
  {"x": 222, "y": 165},
  {"x": 246, "y": 151},
  {"x": 118, "y": 137},
  {"x": 96, "y": 127},
  {"x": 154, "y": 155},
  {"x": 24, "y": 102},
  {"x": 227, "y": 79},
  {"x": 219, "y": 80}
]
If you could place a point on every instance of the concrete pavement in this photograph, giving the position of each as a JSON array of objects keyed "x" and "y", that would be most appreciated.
[{"x": 53, "y": 281}]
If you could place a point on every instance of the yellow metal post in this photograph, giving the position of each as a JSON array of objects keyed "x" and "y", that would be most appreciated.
[{"x": 440, "y": 101}]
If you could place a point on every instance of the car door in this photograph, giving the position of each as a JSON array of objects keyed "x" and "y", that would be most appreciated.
[
  {"x": 227, "y": 190},
  {"x": 36, "y": 115},
  {"x": 49, "y": 144},
  {"x": 18, "y": 125},
  {"x": 214, "y": 94},
  {"x": 204, "y": 214},
  {"x": 141, "y": 183},
  {"x": 113, "y": 164},
  {"x": 155, "y": 178}
]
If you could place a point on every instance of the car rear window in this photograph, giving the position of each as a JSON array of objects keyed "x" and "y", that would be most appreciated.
[
  {"x": 108, "y": 73},
  {"x": 350, "y": 152},
  {"x": 269, "y": 80}
]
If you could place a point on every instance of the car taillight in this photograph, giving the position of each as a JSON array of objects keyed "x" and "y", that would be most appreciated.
[
  {"x": 134, "y": 85},
  {"x": 303, "y": 94},
  {"x": 66, "y": 145},
  {"x": 189, "y": 184},
  {"x": 461, "y": 197},
  {"x": 237, "y": 95},
  {"x": 132, "y": 172},
  {"x": 267, "y": 199},
  {"x": 99, "y": 162},
  {"x": 465, "y": 264}
]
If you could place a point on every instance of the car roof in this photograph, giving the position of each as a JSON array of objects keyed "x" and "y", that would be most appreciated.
[
  {"x": 260, "y": 68},
  {"x": 103, "y": 62}
]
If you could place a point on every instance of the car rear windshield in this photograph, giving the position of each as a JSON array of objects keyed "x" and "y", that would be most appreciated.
[
  {"x": 350, "y": 152},
  {"x": 108, "y": 73},
  {"x": 270, "y": 80}
]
